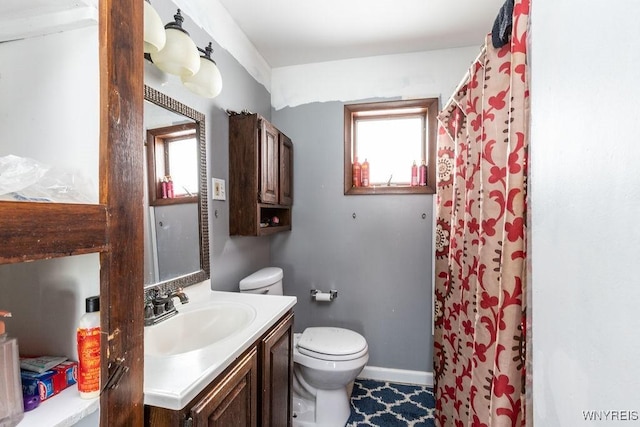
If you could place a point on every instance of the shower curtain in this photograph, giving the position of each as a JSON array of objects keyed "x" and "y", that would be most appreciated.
[{"x": 480, "y": 307}]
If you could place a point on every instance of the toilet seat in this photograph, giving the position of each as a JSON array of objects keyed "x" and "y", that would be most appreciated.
[{"x": 331, "y": 344}]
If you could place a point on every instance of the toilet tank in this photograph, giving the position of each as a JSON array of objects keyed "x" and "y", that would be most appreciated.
[{"x": 265, "y": 281}]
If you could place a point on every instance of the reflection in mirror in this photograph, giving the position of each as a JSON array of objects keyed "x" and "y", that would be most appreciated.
[
  {"x": 171, "y": 151},
  {"x": 176, "y": 250}
]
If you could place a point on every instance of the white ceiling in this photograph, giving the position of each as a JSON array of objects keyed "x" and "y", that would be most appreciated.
[
  {"x": 293, "y": 32},
  {"x": 28, "y": 18}
]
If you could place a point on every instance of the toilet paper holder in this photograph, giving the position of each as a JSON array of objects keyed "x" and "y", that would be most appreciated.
[{"x": 324, "y": 296}]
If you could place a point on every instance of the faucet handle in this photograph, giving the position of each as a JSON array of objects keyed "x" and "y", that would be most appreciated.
[
  {"x": 151, "y": 295},
  {"x": 179, "y": 293},
  {"x": 148, "y": 310}
]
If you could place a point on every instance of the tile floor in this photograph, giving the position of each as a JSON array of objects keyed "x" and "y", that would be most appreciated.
[{"x": 383, "y": 404}]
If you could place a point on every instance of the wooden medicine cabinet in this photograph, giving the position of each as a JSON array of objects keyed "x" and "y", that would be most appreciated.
[{"x": 260, "y": 177}]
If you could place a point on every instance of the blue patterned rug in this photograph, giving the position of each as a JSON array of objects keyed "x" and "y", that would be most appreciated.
[{"x": 377, "y": 403}]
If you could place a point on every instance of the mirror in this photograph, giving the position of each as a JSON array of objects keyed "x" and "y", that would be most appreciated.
[{"x": 176, "y": 247}]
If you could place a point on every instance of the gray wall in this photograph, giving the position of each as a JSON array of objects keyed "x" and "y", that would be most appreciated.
[
  {"x": 177, "y": 239},
  {"x": 232, "y": 258},
  {"x": 380, "y": 262}
]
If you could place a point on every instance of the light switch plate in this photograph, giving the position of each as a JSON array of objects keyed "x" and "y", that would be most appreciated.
[{"x": 219, "y": 192}]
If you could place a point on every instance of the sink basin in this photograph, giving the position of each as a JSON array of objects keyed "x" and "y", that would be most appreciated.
[{"x": 195, "y": 328}]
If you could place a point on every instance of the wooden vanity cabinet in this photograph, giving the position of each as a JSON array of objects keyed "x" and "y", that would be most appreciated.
[
  {"x": 277, "y": 374},
  {"x": 231, "y": 400},
  {"x": 253, "y": 391},
  {"x": 234, "y": 401},
  {"x": 260, "y": 176}
]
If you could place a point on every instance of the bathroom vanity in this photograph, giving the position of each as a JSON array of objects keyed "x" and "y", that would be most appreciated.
[{"x": 242, "y": 378}]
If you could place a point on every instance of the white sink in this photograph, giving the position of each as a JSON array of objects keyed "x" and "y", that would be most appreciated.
[
  {"x": 174, "y": 375},
  {"x": 198, "y": 327}
]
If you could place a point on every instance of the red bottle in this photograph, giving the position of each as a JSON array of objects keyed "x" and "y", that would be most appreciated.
[
  {"x": 414, "y": 174},
  {"x": 356, "y": 170},
  {"x": 423, "y": 173},
  {"x": 163, "y": 187},
  {"x": 169, "y": 187},
  {"x": 365, "y": 173}
]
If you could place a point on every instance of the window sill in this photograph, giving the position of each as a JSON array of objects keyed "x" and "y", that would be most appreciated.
[
  {"x": 174, "y": 201},
  {"x": 388, "y": 189}
]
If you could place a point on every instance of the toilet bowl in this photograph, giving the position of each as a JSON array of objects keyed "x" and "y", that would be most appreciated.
[{"x": 326, "y": 361}]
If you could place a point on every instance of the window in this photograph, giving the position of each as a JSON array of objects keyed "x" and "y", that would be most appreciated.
[
  {"x": 173, "y": 154},
  {"x": 179, "y": 165},
  {"x": 390, "y": 137}
]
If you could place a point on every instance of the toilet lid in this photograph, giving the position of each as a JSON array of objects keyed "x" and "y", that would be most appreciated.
[
  {"x": 332, "y": 343},
  {"x": 261, "y": 278}
]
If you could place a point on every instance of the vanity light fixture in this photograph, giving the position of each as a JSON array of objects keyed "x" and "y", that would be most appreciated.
[
  {"x": 207, "y": 82},
  {"x": 179, "y": 56},
  {"x": 154, "y": 34}
]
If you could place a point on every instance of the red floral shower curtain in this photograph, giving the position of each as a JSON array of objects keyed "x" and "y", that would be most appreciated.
[{"x": 480, "y": 307}]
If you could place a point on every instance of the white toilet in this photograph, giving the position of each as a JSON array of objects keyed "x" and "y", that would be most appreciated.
[{"x": 326, "y": 361}]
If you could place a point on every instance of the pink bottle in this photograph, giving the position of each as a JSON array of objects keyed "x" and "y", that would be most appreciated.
[
  {"x": 169, "y": 187},
  {"x": 357, "y": 173},
  {"x": 414, "y": 174},
  {"x": 423, "y": 173},
  {"x": 365, "y": 173}
]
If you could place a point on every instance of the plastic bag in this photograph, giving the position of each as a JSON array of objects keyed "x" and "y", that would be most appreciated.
[
  {"x": 17, "y": 173},
  {"x": 25, "y": 179}
]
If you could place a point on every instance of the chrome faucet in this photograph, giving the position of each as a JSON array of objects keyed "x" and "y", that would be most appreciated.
[
  {"x": 176, "y": 293},
  {"x": 160, "y": 308}
]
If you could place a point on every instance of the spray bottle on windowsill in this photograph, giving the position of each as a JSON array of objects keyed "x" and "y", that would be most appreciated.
[
  {"x": 422, "y": 171},
  {"x": 11, "y": 402},
  {"x": 414, "y": 174}
]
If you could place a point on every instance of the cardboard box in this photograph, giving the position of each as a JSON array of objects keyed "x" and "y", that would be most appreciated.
[{"x": 51, "y": 382}]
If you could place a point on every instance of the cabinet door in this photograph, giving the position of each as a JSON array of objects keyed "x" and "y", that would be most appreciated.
[
  {"x": 233, "y": 401},
  {"x": 269, "y": 151},
  {"x": 286, "y": 170},
  {"x": 277, "y": 375}
]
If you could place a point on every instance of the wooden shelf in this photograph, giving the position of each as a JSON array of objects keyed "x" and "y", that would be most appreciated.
[
  {"x": 266, "y": 231},
  {"x": 389, "y": 189},
  {"x": 61, "y": 410},
  {"x": 31, "y": 231}
]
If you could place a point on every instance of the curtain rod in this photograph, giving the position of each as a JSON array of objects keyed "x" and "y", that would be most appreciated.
[{"x": 465, "y": 78}]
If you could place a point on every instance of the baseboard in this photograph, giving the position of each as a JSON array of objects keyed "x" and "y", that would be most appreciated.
[{"x": 397, "y": 375}]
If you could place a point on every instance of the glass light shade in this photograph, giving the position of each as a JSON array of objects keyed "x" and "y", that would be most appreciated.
[
  {"x": 207, "y": 82},
  {"x": 154, "y": 34},
  {"x": 179, "y": 55}
]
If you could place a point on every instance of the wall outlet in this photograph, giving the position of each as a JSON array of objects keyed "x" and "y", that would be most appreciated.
[{"x": 219, "y": 192}]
